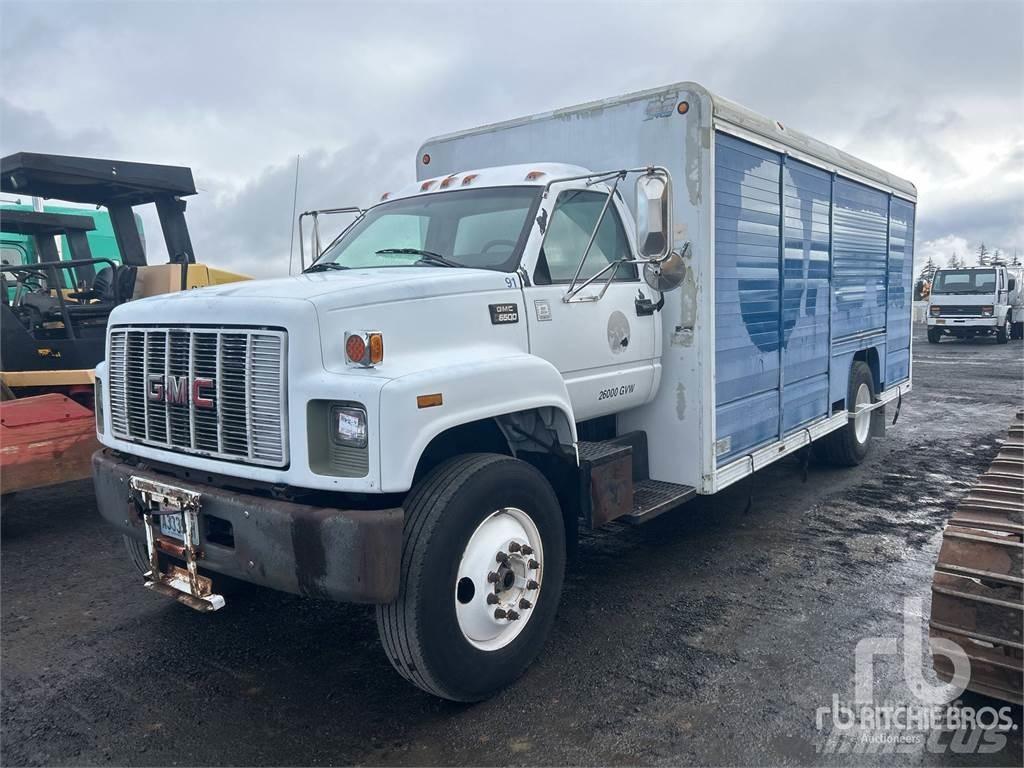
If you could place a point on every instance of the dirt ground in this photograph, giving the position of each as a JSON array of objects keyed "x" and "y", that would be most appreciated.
[{"x": 708, "y": 636}]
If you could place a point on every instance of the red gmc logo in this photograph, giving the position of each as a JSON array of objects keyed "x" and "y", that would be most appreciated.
[{"x": 174, "y": 390}]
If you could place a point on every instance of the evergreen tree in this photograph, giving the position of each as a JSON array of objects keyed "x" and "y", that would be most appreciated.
[
  {"x": 984, "y": 257},
  {"x": 997, "y": 256},
  {"x": 954, "y": 261},
  {"x": 1015, "y": 261},
  {"x": 928, "y": 271}
]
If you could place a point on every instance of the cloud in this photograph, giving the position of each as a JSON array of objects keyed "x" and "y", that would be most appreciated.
[{"x": 933, "y": 93}]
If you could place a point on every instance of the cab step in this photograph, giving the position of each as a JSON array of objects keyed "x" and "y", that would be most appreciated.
[{"x": 652, "y": 497}]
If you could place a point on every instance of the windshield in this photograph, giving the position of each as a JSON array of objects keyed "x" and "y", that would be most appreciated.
[
  {"x": 479, "y": 228},
  {"x": 965, "y": 281}
]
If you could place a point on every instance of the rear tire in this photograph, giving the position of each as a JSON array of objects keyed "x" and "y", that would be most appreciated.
[
  {"x": 462, "y": 518},
  {"x": 848, "y": 446},
  {"x": 934, "y": 335}
]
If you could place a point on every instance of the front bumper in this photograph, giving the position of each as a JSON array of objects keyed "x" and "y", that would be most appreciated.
[
  {"x": 952, "y": 322},
  {"x": 344, "y": 555}
]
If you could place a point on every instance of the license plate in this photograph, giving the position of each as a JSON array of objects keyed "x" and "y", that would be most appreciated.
[{"x": 173, "y": 525}]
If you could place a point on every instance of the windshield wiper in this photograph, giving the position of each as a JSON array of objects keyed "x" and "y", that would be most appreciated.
[
  {"x": 426, "y": 257},
  {"x": 324, "y": 266}
]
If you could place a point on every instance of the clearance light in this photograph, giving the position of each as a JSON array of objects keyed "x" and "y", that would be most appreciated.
[
  {"x": 468, "y": 179},
  {"x": 365, "y": 348},
  {"x": 426, "y": 159},
  {"x": 534, "y": 175},
  {"x": 683, "y": 107},
  {"x": 447, "y": 181},
  {"x": 384, "y": 196},
  {"x": 429, "y": 401},
  {"x": 427, "y": 185}
]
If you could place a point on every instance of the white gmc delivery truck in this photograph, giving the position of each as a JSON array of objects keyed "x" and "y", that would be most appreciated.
[
  {"x": 977, "y": 301},
  {"x": 572, "y": 318}
]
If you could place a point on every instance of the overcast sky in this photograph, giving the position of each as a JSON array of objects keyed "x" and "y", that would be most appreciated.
[{"x": 931, "y": 91}]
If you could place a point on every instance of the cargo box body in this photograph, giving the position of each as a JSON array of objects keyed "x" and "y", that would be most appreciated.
[{"x": 801, "y": 262}]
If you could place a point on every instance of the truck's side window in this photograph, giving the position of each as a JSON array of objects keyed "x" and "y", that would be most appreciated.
[{"x": 569, "y": 230}]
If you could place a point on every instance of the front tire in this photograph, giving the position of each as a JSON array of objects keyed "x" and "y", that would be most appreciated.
[
  {"x": 848, "y": 446},
  {"x": 1003, "y": 333},
  {"x": 483, "y": 540},
  {"x": 934, "y": 335}
]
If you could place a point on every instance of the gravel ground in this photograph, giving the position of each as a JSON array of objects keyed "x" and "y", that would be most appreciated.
[{"x": 708, "y": 636}]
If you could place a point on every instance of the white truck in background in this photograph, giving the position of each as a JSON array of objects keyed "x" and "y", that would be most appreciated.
[
  {"x": 977, "y": 301},
  {"x": 582, "y": 316}
]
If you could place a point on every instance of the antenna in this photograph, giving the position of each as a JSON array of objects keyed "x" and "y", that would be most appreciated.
[{"x": 295, "y": 201}]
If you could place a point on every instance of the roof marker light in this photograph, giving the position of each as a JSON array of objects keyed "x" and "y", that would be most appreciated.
[
  {"x": 385, "y": 196},
  {"x": 427, "y": 185},
  {"x": 468, "y": 179},
  {"x": 683, "y": 107},
  {"x": 448, "y": 180},
  {"x": 534, "y": 175},
  {"x": 426, "y": 159}
]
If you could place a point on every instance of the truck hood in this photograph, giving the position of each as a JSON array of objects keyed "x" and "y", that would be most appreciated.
[{"x": 349, "y": 288}]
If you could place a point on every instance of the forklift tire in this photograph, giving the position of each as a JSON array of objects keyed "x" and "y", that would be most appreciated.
[
  {"x": 848, "y": 446},
  {"x": 934, "y": 335},
  {"x": 1003, "y": 333},
  {"x": 483, "y": 560}
]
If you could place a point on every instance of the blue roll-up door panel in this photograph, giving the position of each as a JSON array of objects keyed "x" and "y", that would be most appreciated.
[
  {"x": 859, "y": 258},
  {"x": 901, "y": 281},
  {"x": 747, "y": 303},
  {"x": 807, "y": 197}
]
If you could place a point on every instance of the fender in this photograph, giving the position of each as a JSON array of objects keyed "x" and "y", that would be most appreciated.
[{"x": 469, "y": 392}]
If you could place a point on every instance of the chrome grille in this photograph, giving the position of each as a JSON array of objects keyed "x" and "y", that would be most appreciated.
[{"x": 152, "y": 381}]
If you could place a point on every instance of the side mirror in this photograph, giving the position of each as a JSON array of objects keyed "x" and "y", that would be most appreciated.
[
  {"x": 1011, "y": 283},
  {"x": 653, "y": 215},
  {"x": 666, "y": 274}
]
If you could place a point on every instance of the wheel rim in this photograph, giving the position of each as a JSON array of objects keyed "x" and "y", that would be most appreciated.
[
  {"x": 499, "y": 579},
  {"x": 862, "y": 419}
]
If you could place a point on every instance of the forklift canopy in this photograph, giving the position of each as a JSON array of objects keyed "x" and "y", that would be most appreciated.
[{"x": 114, "y": 184}]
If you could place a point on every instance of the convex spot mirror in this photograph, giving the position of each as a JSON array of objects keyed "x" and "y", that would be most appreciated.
[
  {"x": 667, "y": 274},
  {"x": 653, "y": 206}
]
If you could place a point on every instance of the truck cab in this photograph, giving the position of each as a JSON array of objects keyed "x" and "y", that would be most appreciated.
[{"x": 976, "y": 301}]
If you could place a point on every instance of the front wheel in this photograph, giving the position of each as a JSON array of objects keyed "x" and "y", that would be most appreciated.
[
  {"x": 1003, "y": 332},
  {"x": 848, "y": 446},
  {"x": 934, "y": 335},
  {"x": 483, "y": 559}
]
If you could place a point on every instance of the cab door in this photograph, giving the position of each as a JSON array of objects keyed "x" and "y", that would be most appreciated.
[{"x": 603, "y": 345}]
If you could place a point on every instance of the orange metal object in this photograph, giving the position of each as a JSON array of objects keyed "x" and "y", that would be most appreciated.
[{"x": 45, "y": 440}]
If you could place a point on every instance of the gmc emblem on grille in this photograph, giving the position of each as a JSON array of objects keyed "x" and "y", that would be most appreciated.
[{"x": 174, "y": 390}]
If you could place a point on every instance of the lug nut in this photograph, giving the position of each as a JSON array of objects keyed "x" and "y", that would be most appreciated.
[
  {"x": 502, "y": 558},
  {"x": 533, "y": 564},
  {"x": 499, "y": 613},
  {"x": 527, "y": 550},
  {"x": 493, "y": 577},
  {"x": 511, "y": 615},
  {"x": 531, "y": 584},
  {"x": 514, "y": 547},
  {"x": 525, "y": 604},
  {"x": 492, "y": 599}
]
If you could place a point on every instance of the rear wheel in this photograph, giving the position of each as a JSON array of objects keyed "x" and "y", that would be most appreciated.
[
  {"x": 934, "y": 335},
  {"x": 483, "y": 560},
  {"x": 848, "y": 446}
]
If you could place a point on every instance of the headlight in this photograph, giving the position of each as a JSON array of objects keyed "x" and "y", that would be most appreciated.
[
  {"x": 986, "y": 311},
  {"x": 348, "y": 426},
  {"x": 935, "y": 310},
  {"x": 98, "y": 405}
]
